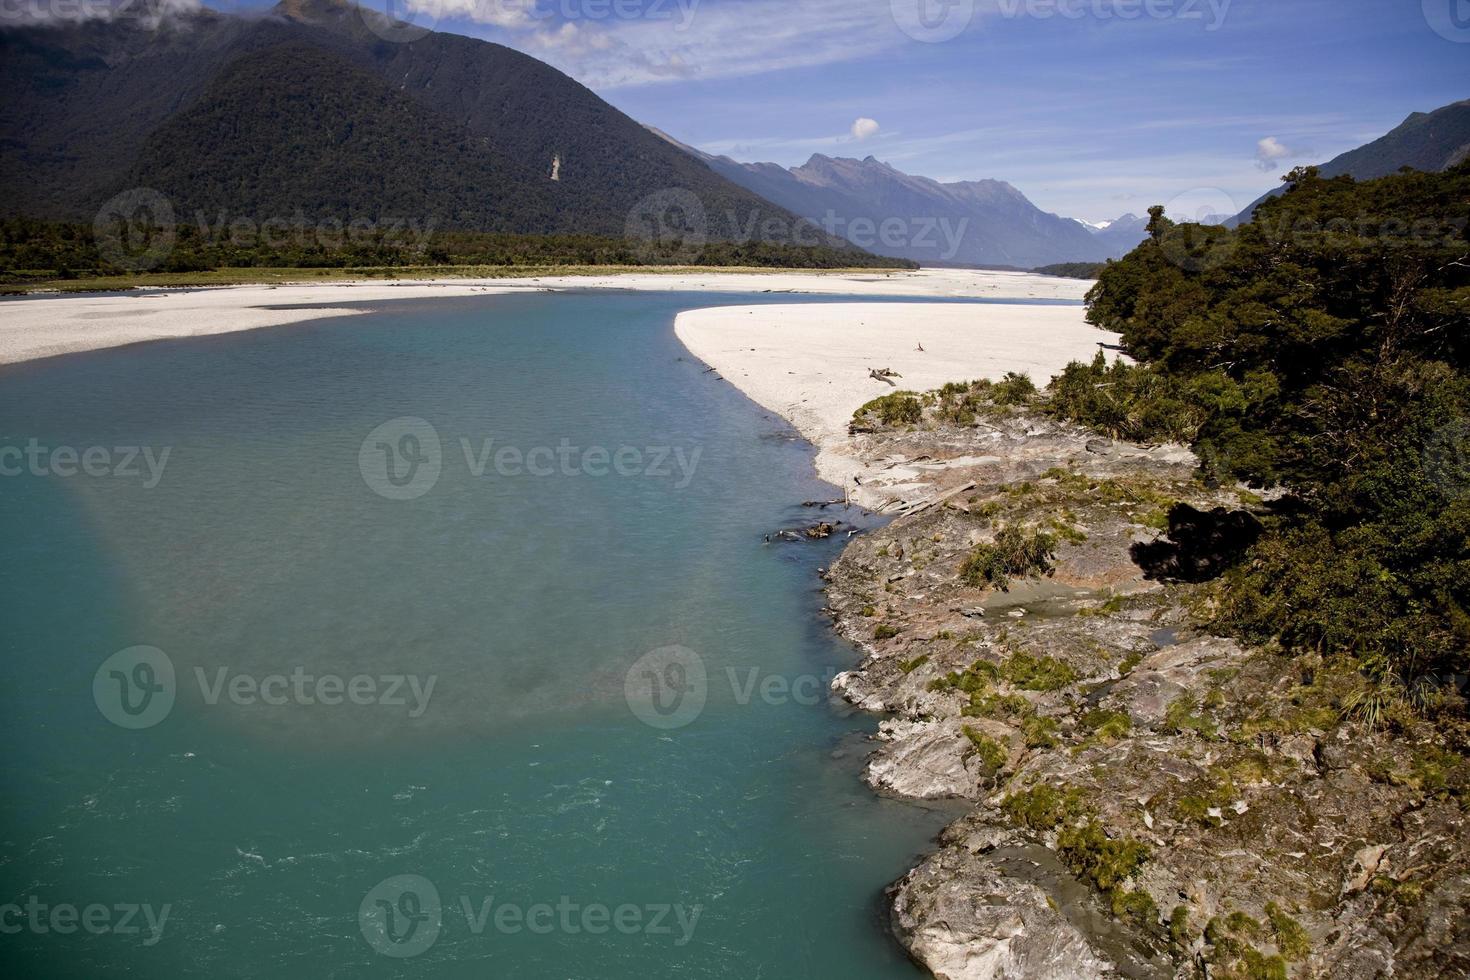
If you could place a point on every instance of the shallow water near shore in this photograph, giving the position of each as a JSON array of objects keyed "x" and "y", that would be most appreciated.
[{"x": 503, "y": 608}]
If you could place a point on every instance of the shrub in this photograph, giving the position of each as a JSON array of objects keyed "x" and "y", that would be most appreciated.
[
  {"x": 1035, "y": 672},
  {"x": 960, "y": 402},
  {"x": 1015, "y": 553},
  {"x": 1107, "y": 726},
  {"x": 1291, "y": 938},
  {"x": 1124, "y": 401},
  {"x": 1013, "y": 389},
  {"x": 1043, "y": 808},
  {"x": 1040, "y": 733},
  {"x": 993, "y": 754},
  {"x": 898, "y": 408}
]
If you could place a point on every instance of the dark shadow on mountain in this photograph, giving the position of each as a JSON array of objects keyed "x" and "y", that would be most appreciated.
[{"x": 1199, "y": 546}]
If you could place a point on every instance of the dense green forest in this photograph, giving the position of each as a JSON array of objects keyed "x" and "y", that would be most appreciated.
[
  {"x": 35, "y": 251},
  {"x": 1072, "y": 270},
  {"x": 309, "y": 112},
  {"x": 1320, "y": 353}
]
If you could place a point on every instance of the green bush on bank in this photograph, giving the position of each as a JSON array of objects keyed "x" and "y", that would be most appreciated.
[
  {"x": 898, "y": 408},
  {"x": 1322, "y": 349},
  {"x": 1016, "y": 553}
]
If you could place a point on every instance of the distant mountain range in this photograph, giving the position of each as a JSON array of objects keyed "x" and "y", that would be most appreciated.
[
  {"x": 1121, "y": 235},
  {"x": 888, "y": 212},
  {"x": 1427, "y": 141},
  {"x": 307, "y": 110}
]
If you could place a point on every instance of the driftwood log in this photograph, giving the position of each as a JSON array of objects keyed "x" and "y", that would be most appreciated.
[
  {"x": 884, "y": 374},
  {"x": 923, "y": 505}
]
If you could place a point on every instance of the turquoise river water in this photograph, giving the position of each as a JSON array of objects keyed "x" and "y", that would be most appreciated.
[{"x": 312, "y": 697}]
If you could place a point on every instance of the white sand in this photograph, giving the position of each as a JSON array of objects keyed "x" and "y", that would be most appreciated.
[
  {"x": 810, "y": 363},
  {"x": 45, "y": 326}
]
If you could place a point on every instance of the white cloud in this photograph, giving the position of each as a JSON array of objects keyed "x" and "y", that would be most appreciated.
[
  {"x": 1271, "y": 151},
  {"x": 147, "y": 14},
  {"x": 864, "y": 127},
  {"x": 677, "y": 38},
  {"x": 497, "y": 13}
]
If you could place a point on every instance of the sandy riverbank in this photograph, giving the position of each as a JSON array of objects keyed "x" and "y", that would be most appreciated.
[
  {"x": 810, "y": 363},
  {"x": 44, "y": 326}
]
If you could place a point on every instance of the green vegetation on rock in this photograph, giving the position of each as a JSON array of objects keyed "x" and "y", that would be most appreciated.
[
  {"x": 992, "y": 754},
  {"x": 1234, "y": 954},
  {"x": 1016, "y": 553},
  {"x": 1037, "y": 672},
  {"x": 1044, "y": 807},
  {"x": 1106, "y": 863},
  {"x": 961, "y": 403},
  {"x": 1107, "y": 726},
  {"x": 1291, "y": 939}
]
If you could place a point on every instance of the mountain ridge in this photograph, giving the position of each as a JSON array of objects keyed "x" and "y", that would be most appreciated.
[
  {"x": 974, "y": 222},
  {"x": 90, "y": 107},
  {"x": 1431, "y": 141}
]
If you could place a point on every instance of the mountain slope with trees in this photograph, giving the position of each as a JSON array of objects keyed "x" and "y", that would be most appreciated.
[
  {"x": 1427, "y": 141},
  {"x": 199, "y": 102}
]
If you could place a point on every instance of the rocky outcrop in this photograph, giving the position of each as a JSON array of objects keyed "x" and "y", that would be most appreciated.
[
  {"x": 1149, "y": 800},
  {"x": 1160, "y": 680},
  {"x": 963, "y": 919},
  {"x": 937, "y": 760}
]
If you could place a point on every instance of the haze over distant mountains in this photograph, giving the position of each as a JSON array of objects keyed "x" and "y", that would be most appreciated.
[
  {"x": 1121, "y": 235},
  {"x": 991, "y": 223},
  {"x": 1427, "y": 141},
  {"x": 889, "y": 212}
]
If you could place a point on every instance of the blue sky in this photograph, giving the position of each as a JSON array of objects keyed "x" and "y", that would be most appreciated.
[{"x": 1090, "y": 107}]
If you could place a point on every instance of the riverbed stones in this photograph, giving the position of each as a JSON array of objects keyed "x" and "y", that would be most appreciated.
[{"x": 963, "y": 920}]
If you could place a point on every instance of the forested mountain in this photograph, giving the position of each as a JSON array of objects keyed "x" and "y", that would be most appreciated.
[
  {"x": 1428, "y": 141},
  {"x": 306, "y": 110},
  {"x": 980, "y": 222}
]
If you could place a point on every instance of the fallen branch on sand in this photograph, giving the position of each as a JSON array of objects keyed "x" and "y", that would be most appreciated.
[{"x": 884, "y": 374}]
